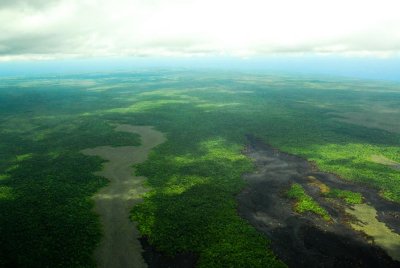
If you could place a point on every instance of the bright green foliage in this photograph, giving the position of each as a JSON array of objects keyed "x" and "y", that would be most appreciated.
[
  {"x": 191, "y": 206},
  {"x": 350, "y": 197},
  {"x": 305, "y": 203}
]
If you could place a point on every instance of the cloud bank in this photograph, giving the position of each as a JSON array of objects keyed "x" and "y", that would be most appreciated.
[{"x": 48, "y": 29}]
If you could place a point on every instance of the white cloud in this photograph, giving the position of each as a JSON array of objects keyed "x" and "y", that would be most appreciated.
[{"x": 84, "y": 28}]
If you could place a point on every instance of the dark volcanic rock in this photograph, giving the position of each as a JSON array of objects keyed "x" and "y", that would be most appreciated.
[{"x": 307, "y": 240}]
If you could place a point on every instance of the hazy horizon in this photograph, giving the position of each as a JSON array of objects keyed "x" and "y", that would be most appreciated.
[{"x": 358, "y": 68}]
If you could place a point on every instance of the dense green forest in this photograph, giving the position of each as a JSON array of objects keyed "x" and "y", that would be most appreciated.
[{"x": 340, "y": 124}]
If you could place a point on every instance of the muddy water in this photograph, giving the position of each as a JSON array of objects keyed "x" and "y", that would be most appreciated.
[
  {"x": 306, "y": 240},
  {"x": 367, "y": 222},
  {"x": 120, "y": 247}
]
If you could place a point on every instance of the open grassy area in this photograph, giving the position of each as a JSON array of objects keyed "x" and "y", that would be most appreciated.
[
  {"x": 46, "y": 184},
  {"x": 305, "y": 203},
  {"x": 350, "y": 197}
]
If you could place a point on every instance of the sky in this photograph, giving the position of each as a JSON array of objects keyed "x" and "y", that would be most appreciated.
[
  {"x": 59, "y": 29},
  {"x": 353, "y": 37}
]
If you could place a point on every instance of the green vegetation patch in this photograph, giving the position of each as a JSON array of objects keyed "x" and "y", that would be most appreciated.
[
  {"x": 305, "y": 203},
  {"x": 350, "y": 197},
  {"x": 191, "y": 207},
  {"x": 6, "y": 192}
]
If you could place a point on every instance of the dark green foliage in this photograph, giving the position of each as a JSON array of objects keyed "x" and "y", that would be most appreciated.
[
  {"x": 48, "y": 221},
  {"x": 46, "y": 217}
]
